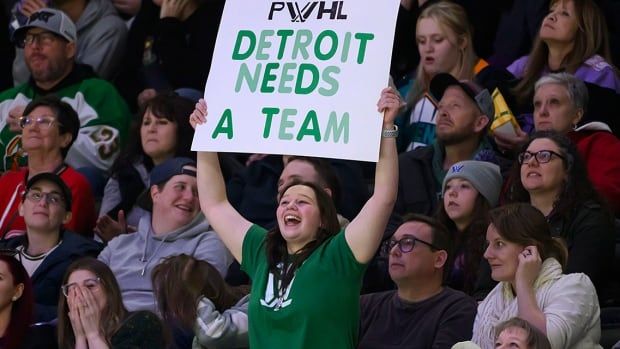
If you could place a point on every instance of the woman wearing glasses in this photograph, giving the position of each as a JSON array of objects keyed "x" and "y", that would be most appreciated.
[
  {"x": 91, "y": 314},
  {"x": 551, "y": 176},
  {"x": 48, "y": 129},
  {"x": 528, "y": 262}
]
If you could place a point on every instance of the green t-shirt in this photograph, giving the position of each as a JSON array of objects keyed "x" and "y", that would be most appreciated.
[{"x": 319, "y": 309}]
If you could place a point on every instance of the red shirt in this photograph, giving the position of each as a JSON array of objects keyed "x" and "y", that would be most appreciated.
[{"x": 13, "y": 185}]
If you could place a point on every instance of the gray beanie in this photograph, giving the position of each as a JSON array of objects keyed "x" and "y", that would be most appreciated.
[{"x": 484, "y": 176}]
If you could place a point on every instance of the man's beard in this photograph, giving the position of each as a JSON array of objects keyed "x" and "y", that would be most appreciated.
[{"x": 54, "y": 72}]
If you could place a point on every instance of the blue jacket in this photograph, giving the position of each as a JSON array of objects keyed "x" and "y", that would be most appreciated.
[{"x": 47, "y": 279}]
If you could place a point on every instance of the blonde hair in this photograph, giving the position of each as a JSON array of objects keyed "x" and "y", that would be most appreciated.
[
  {"x": 591, "y": 39},
  {"x": 451, "y": 17}
]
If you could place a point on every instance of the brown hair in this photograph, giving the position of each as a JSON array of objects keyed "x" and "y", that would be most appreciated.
[
  {"x": 535, "y": 339},
  {"x": 470, "y": 241},
  {"x": 112, "y": 314},
  {"x": 180, "y": 281},
  {"x": 451, "y": 17},
  {"x": 525, "y": 225},
  {"x": 591, "y": 39},
  {"x": 276, "y": 245}
]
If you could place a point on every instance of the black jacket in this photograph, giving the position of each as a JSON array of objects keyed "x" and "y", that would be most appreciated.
[{"x": 47, "y": 279}]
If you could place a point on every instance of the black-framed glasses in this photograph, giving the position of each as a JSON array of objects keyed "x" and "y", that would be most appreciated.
[
  {"x": 50, "y": 198},
  {"x": 405, "y": 245},
  {"x": 43, "y": 121},
  {"x": 43, "y": 39},
  {"x": 542, "y": 156},
  {"x": 90, "y": 284}
]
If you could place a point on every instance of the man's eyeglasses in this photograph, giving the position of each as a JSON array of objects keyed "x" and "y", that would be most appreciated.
[
  {"x": 50, "y": 198},
  {"x": 44, "y": 121},
  {"x": 91, "y": 284},
  {"x": 405, "y": 245},
  {"x": 43, "y": 39},
  {"x": 542, "y": 156}
]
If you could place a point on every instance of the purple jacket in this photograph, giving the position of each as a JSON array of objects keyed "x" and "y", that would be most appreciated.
[{"x": 594, "y": 70}]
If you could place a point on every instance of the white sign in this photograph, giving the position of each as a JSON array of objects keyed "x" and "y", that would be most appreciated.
[{"x": 299, "y": 77}]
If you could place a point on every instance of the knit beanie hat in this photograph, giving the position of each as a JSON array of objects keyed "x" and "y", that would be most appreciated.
[{"x": 484, "y": 176}]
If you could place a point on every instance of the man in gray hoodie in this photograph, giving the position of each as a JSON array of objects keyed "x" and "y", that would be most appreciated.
[{"x": 174, "y": 226}]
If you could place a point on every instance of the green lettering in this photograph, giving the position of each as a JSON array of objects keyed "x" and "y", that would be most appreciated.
[
  {"x": 286, "y": 77},
  {"x": 263, "y": 44},
  {"x": 346, "y": 44},
  {"x": 284, "y": 34},
  {"x": 285, "y": 124},
  {"x": 330, "y": 80},
  {"x": 238, "y": 56},
  {"x": 269, "y": 77},
  {"x": 337, "y": 129},
  {"x": 319, "y": 41},
  {"x": 302, "y": 41},
  {"x": 303, "y": 68},
  {"x": 310, "y": 127},
  {"x": 225, "y": 125},
  {"x": 269, "y": 113},
  {"x": 247, "y": 76},
  {"x": 363, "y": 38}
]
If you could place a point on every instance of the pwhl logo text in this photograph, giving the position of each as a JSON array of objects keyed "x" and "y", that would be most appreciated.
[{"x": 331, "y": 10}]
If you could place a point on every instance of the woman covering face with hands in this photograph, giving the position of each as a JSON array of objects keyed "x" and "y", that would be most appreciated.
[
  {"x": 306, "y": 267},
  {"x": 91, "y": 313},
  {"x": 528, "y": 264}
]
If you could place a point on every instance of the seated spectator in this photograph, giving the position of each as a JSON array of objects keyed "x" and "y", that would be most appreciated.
[
  {"x": 551, "y": 176},
  {"x": 170, "y": 47},
  {"x": 173, "y": 226},
  {"x": 514, "y": 333},
  {"x": 47, "y": 249},
  {"x": 421, "y": 313},
  {"x": 470, "y": 190},
  {"x": 528, "y": 264},
  {"x": 463, "y": 113},
  {"x": 572, "y": 38},
  {"x": 49, "y": 129},
  {"x": 521, "y": 333},
  {"x": 444, "y": 38},
  {"x": 49, "y": 52},
  {"x": 162, "y": 132},
  {"x": 91, "y": 312},
  {"x": 560, "y": 102},
  {"x": 192, "y": 293},
  {"x": 101, "y": 31},
  {"x": 16, "y": 309},
  {"x": 254, "y": 191}
]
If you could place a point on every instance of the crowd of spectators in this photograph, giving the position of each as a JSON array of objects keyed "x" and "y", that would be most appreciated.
[{"x": 491, "y": 219}]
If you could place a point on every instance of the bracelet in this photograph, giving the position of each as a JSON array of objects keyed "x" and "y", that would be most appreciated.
[{"x": 390, "y": 133}]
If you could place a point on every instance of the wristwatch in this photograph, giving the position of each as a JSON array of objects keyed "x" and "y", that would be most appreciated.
[{"x": 390, "y": 133}]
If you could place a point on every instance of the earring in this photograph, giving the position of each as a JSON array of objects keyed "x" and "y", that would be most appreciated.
[
  {"x": 14, "y": 298},
  {"x": 575, "y": 127}
]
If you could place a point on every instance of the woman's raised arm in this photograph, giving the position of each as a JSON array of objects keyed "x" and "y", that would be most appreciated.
[
  {"x": 364, "y": 233},
  {"x": 225, "y": 220}
]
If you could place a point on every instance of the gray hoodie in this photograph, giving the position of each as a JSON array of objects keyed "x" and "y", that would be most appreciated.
[
  {"x": 132, "y": 257},
  {"x": 101, "y": 38}
]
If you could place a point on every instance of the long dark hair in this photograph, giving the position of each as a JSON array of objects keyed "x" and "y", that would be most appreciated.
[
  {"x": 525, "y": 225},
  {"x": 22, "y": 309},
  {"x": 276, "y": 245},
  {"x": 470, "y": 241},
  {"x": 111, "y": 316},
  {"x": 171, "y": 107},
  {"x": 591, "y": 38},
  {"x": 180, "y": 281},
  {"x": 577, "y": 188}
]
